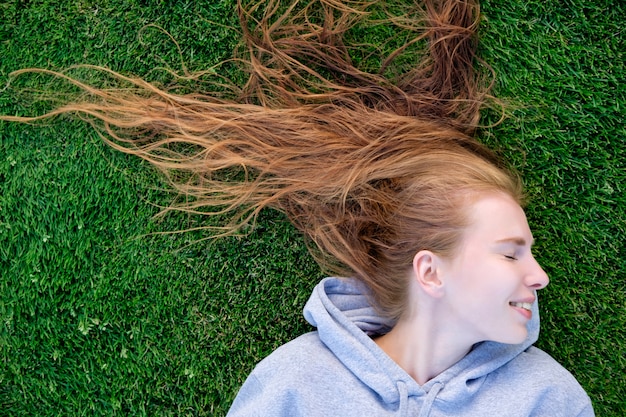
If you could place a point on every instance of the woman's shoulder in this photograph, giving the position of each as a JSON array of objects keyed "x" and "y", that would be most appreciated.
[
  {"x": 305, "y": 358},
  {"x": 536, "y": 363},
  {"x": 540, "y": 380},
  {"x": 302, "y": 377}
]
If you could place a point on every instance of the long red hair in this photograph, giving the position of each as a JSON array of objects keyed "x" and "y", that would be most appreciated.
[{"x": 371, "y": 167}]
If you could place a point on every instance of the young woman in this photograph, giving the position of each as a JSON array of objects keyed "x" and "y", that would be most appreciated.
[
  {"x": 462, "y": 345},
  {"x": 382, "y": 175}
]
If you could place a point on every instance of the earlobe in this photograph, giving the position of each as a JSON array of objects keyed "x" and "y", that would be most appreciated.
[{"x": 426, "y": 270}]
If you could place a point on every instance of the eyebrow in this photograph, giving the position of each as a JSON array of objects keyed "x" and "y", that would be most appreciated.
[{"x": 519, "y": 241}]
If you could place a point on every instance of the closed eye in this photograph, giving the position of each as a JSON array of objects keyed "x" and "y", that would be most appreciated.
[{"x": 510, "y": 257}]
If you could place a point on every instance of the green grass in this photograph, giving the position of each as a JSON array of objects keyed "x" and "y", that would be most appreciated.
[{"x": 101, "y": 316}]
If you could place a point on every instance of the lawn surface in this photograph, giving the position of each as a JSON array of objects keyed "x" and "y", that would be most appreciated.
[{"x": 102, "y": 315}]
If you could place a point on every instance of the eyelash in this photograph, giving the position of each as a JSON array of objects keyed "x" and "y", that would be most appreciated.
[{"x": 510, "y": 257}]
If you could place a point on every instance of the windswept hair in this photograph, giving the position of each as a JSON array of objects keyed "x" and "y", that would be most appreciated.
[{"x": 371, "y": 166}]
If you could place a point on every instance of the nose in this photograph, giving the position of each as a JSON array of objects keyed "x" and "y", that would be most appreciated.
[{"x": 536, "y": 277}]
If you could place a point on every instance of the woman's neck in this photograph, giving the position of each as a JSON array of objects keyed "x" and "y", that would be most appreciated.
[{"x": 423, "y": 348}]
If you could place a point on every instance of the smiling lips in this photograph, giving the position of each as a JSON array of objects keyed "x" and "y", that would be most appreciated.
[{"x": 523, "y": 308}]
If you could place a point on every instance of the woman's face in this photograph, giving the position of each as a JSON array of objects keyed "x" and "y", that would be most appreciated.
[{"x": 490, "y": 284}]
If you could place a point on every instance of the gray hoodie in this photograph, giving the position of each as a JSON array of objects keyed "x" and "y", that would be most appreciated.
[{"x": 338, "y": 370}]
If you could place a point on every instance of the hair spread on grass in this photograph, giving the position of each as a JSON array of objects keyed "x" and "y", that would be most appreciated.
[{"x": 371, "y": 167}]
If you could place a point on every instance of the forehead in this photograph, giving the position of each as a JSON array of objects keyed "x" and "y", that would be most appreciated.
[{"x": 498, "y": 218}]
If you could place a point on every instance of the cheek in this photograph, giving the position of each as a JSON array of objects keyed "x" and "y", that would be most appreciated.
[
  {"x": 477, "y": 280},
  {"x": 485, "y": 280}
]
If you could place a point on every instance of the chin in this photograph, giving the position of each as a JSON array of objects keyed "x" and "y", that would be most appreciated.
[{"x": 515, "y": 338}]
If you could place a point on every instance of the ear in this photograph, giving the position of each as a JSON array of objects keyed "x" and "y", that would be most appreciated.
[{"x": 426, "y": 270}]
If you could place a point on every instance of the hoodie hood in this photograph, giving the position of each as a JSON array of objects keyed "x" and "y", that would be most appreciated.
[{"x": 345, "y": 320}]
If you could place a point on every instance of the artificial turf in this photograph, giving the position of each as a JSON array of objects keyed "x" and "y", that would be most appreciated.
[{"x": 100, "y": 314}]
